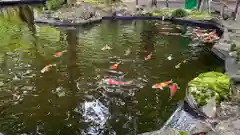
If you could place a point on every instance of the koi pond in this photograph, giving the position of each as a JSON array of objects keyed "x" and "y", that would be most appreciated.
[{"x": 70, "y": 96}]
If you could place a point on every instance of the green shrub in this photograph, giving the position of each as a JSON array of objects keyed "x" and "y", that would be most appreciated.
[
  {"x": 208, "y": 85},
  {"x": 179, "y": 13},
  {"x": 163, "y": 12}
]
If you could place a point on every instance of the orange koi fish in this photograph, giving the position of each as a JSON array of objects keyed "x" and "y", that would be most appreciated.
[
  {"x": 115, "y": 66},
  {"x": 148, "y": 56},
  {"x": 47, "y": 68},
  {"x": 59, "y": 54},
  {"x": 161, "y": 85},
  {"x": 173, "y": 89},
  {"x": 114, "y": 82}
]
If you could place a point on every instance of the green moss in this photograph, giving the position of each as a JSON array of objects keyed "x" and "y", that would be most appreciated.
[
  {"x": 183, "y": 133},
  {"x": 208, "y": 85},
  {"x": 178, "y": 13}
]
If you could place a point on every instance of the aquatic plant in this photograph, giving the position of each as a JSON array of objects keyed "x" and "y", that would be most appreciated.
[
  {"x": 209, "y": 85},
  {"x": 183, "y": 133},
  {"x": 179, "y": 13}
]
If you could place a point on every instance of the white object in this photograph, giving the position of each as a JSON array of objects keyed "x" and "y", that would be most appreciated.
[{"x": 170, "y": 57}]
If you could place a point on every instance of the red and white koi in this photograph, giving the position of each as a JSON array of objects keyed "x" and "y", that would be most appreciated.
[
  {"x": 114, "y": 82},
  {"x": 59, "y": 54},
  {"x": 148, "y": 57},
  {"x": 173, "y": 89},
  {"x": 115, "y": 66}
]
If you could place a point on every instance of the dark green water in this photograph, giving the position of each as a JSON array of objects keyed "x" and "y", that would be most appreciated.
[{"x": 70, "y": 100}]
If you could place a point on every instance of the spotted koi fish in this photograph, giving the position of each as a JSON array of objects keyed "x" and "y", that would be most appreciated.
[
  {"x": 114, "y": 82},
  {"x": 161, "y": 85}
]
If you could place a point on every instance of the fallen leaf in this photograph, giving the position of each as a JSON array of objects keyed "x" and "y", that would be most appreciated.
[{"x": 178, "y": 65}]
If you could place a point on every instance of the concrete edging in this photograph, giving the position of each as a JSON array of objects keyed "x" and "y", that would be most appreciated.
[{"x": 59, "y": 23}]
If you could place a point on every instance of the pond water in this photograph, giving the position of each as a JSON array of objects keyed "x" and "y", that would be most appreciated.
[{"x": 71, "y": 99}]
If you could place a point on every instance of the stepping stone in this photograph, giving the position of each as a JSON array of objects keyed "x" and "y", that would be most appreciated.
[{"x": 232, "y": 69}]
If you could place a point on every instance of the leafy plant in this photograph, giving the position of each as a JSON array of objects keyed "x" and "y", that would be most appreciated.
[
  {"x": 179, "y": 13},
  {"x": 208, "y": 85},
  {"x": 162, "y": 12},
  {"x": 198, "y": 15},
  {"x": 183, "y": 133}
]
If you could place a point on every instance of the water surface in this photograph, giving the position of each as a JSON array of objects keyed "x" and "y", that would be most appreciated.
[{"x": 70, "y": 98}]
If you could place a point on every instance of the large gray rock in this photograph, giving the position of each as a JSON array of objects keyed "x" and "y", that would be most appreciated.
[
  {"x": 210, "y": 108},
  {"x": 184, "y": 121},
  {"x": 228, "y": 110},
  {"x": 228, "y": 127},
  {"x": 232, "y": 68}
]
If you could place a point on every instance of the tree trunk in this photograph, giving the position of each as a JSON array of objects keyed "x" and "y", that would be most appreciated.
[
  {"x": 154, "y": 3},
  {"x": 26, "y": 15},
  {"x": 236, "y": 10},
  {"x": 167, "y": 3}
]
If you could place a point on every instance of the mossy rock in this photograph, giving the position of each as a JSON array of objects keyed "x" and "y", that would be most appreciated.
[
  {"x": 209, "y": 85},
  {"x": 171, "y": 131}
]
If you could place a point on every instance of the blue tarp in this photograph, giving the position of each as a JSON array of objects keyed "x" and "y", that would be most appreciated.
[{"x": 21, "y": 2}]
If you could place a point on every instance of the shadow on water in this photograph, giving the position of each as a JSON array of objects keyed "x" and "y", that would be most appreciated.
[{"x": 72, "y": 97}]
